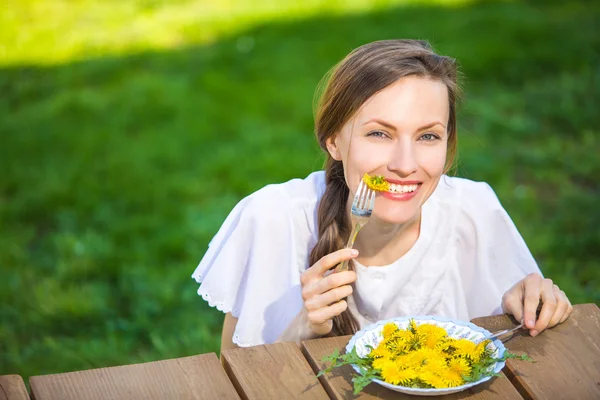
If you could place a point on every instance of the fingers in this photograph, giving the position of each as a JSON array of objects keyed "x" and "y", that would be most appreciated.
[
  {"x": 532, "y": 285},
  {"x": 326, "y": 263},
  {"x": 562, "y": 305},
  {"x": 512, "y": 302},
  {"x": 548, "y": 308},
  {"x": 568, "y": 313},
  {"x": 327, "y": 283},
  {"x": 323, "y": 316},
  {"x": 327, "y": 298},
  {"x": 523, "y": 300}
]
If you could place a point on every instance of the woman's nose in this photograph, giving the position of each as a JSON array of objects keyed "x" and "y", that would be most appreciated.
[{"x": 403, "y": 160}]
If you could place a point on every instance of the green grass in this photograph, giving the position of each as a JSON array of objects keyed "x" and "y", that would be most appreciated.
[{"x": 121, "y": 154}]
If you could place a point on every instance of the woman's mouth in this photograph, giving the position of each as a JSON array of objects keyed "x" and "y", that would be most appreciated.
[
  {"x": 392, "y": 189},
  {"x": 401, "y": 191}
]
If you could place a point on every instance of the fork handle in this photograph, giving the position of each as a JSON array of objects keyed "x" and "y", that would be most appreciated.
[{"x": 344, "y": 265}]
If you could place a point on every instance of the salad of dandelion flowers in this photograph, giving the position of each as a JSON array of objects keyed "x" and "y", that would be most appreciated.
[{"x": 426, "y": 356}]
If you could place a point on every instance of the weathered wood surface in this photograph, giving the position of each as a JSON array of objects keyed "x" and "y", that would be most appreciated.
[
  {"x": 567, "y": 356},
  {"x": 12, "y": 387},
  {"x": 196, "y": 377},
  {"x": 275, "y": 371}
]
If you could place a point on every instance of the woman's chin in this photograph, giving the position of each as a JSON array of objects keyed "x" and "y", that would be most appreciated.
[{"x": 397, "y": 218}]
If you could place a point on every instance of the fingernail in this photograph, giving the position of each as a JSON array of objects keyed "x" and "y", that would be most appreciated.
[
  {"x": 531, "y": 323},
  {"x": 354, "y": 252},
  {"x": 534, "y": 333}
]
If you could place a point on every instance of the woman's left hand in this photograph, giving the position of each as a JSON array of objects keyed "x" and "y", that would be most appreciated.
[{"x": 523, "y": 298}]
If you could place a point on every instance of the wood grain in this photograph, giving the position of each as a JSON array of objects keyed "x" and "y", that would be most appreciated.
[
  {"x": 338, "y": 383},
  {"x": 567, "y": 356},
  {"x": 12, "y": 387},
  {"x": 274, "y": 371},
  {"x": 196, "y": 377}
]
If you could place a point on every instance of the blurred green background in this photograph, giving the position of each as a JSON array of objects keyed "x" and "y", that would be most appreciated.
[{"x": 129, "y": 129}]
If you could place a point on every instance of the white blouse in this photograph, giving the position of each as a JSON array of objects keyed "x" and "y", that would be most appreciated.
[{"x": 468, "y": 254}]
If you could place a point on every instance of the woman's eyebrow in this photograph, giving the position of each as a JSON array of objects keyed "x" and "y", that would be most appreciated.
[
  {"x": 391, "y": 126},
  {"x": 431, "y": 125}
]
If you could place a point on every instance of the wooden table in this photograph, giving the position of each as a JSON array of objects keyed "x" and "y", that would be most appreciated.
[{"x": 567, "y": 367}]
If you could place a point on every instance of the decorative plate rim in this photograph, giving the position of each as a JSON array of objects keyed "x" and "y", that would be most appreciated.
[{"x": 497, "y": 367}]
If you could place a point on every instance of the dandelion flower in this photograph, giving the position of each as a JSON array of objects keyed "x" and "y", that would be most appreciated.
[
  {"x": 377, "y": 183},
  {"x": 389, "y": 329},
  {"x": 381, "y": 352},
  {"x": 464, "y": 348},
  {"x": 452, "y": 378},
  {"x": 460, "y": 366},
  {"x": 382, "y": 363},
  {"x": 433, "y": 380},
  {"x": 436, "y": 365},
  {"x": 392, "y": 373}
]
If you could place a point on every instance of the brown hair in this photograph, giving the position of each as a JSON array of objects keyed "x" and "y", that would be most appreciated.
[{"x": 364, "y": 72}]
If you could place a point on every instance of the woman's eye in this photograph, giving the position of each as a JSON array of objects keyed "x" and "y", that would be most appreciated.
[
  {"x": 377, "y": 134},
  {"x": 429, "y": 137}
]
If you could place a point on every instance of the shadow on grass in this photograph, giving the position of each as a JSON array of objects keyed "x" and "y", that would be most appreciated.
[{"x": 118, "y": 171}]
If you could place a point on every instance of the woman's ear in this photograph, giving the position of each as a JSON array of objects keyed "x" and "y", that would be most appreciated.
[{"x": 332, "y": 147}]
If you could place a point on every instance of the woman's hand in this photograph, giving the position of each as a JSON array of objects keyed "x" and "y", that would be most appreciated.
[
  {"x": 323, "y": 292},
  {"x": 523, "y": 298}
]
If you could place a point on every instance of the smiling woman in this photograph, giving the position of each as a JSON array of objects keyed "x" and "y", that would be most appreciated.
[{"x": 434, "y": 245}]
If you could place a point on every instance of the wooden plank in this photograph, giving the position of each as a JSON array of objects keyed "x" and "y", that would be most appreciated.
[
  {"x": 338, "y": 383},
  {"x": 274, "y": 371},
  {"x": 12, "y": 387},
  {"x": 196, "y": 377},
  {"x": 567, "y": 356}
]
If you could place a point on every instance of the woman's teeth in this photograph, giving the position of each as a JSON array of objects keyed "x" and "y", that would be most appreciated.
[{"x": 402, "y": 188}]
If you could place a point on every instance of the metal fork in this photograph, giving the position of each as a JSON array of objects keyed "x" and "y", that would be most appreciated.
[
  {"x": 362, "y": 208},
  {"x": 505, "y": 331}
]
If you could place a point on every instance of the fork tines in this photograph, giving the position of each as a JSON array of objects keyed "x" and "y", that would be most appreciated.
[{"x": 364, "y": 199}]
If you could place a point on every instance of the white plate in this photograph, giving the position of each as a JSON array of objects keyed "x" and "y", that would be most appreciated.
[{"x": 371, "y": 335}]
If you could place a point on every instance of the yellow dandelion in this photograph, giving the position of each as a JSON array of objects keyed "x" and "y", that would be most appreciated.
[
  {"x": 377, "y": 182},
  {"x": 432, "y": 338},
  {"x": 412, "y": 326},
  {"x": 443, "y": 345},
  {"x": 460, "y": 366},
  {"x": 464, "y": 348},
  {"x": 433, "y": 380},
  {"x": 395, "y": 375},
  {"x": 382, "y": 363},
  {"x": 479, "y": 350},
  {"x": 452, "y": 378},
  {"x": 380, "y": 351},
  {"x": 415, "y": 359},
  {"x": 405, "y": 335},
  {"x": 430, "y": 329},
  {"x": 389, "y": 330},
  {"x": 436, "y": 365},
  {"x": 396, "y": 345}
]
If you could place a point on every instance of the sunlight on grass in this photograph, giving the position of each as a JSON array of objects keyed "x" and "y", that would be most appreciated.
[{"x": 58, "y": 31}]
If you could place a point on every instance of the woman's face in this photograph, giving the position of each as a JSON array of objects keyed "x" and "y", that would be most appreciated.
[{"x": 401, "y": 134}]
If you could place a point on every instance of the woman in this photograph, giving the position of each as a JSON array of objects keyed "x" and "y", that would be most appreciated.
[{"x": 435, "y": 245}]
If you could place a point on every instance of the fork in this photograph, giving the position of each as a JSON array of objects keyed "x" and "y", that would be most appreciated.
[
  {"x": 505, "y": 331},
  {"x": 362, "y": 208}
]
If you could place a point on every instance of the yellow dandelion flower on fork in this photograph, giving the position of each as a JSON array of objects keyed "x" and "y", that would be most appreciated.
[{"x": 377, "y": 183}]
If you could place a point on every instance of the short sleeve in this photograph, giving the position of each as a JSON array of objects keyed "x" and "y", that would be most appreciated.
[
  {"x": 252, "y": 267},
  {"x": 492, "y": 253}
]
